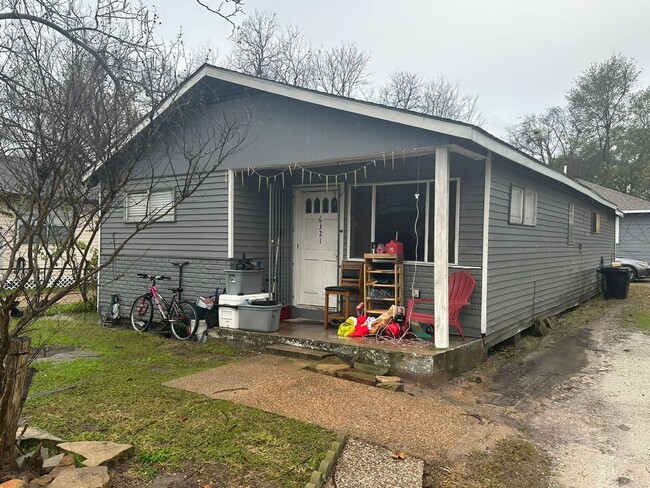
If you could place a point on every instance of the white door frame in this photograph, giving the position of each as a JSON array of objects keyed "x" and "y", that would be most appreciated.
[{"x": 295, "y": 271}]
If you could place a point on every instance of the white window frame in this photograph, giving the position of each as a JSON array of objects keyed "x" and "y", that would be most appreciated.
[
  {"x": 571, "y": 226},
  {"x": 427, "y": 210},
  {"x": 145, "y": 197},
  {"x": 523, "y": 206}
]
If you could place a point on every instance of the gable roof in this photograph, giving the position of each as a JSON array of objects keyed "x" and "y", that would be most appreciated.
[
  {"x": 625, "y": 203},
  {"x": 229, "y": 79}
]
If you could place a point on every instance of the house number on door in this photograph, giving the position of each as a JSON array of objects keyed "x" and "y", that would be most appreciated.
[{"x": 320, "y": 229}]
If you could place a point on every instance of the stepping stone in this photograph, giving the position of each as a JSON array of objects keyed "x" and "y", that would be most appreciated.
[
  {"x": 373, "y": 369},
  {"x": 388, "y": 379},
  {"x": 92, "y": 477},
  {"x": 14, "y": 484},
  {"x": 330, "y": 366},
  {"x": 50, "y": 463},
  {"x": 32, "y": 434},
  {"x": 391, "y": 386},
  {"x": 358, "y": 377},
  {"x": 297, "y": 352},
  {"x": 97, "y": 453}
]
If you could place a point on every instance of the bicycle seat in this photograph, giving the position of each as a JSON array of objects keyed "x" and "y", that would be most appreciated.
[{"x": 176, "y": 290}]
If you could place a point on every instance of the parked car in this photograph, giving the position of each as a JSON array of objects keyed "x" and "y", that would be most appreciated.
[{"x": 638, "y": 269}]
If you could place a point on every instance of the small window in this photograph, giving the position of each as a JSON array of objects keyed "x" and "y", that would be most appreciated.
[
  {"x": 595, "y": 223},
  {"x": 144, "y": 205},
  {"x": 326, "y": 205},
  {"x": 335, "y": 205},
  {"x": 523, "y": 206},
  {"x": 308, "y": 206},
  {"x": 516, "y": 205},
  {"x": 530, "y": 208},
  {"x": 316, "y": 205},
  {"x": 571, "y": 226}
]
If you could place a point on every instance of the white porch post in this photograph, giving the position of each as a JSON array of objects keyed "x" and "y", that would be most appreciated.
[
  {"x": 441, "y": 248},
  {"x": 230, "y": 177}
]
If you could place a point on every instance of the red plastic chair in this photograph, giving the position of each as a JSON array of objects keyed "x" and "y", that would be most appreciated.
[{"x": 461, "y": 286}]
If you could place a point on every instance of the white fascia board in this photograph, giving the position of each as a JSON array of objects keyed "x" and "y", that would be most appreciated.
[{"x": 625, "y": 212}]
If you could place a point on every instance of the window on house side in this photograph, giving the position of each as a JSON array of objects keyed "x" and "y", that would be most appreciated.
[
  {"x": 523, "y": 206},
  {"x": 595, "y": 223},
  {"x": 571, "y": 226},
  {"x": 143, "y": 205}
]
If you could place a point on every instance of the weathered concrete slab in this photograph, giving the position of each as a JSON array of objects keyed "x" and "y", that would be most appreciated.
[
  {"x": 373, "y": 369},
  {"x": 97, "y": 453},
  {"x": 297, "y": 352},
  {"x": 91, "y": 477}
]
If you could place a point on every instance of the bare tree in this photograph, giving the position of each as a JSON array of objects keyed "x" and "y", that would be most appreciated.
[
  {"x": 256, "y": 48},
  {"x": 404, "y": 89},
  {"x": 435, "y": 96},
  {"x": 85, "y": 97},
  {"x": 443, "y": 98},
  {"x": 552, "y": 137},
  {"x": 342, "y": 70},
  {"x": 296, "y": 64}
]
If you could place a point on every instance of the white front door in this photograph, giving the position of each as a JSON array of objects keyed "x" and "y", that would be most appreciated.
[{"x": 317, "y": 242}]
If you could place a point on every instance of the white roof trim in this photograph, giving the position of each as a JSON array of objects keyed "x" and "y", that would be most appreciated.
[{"x": 635, "y": 211}]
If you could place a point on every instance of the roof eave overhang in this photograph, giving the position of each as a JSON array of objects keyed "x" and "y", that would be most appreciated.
[{"x": 456, "y": 129}]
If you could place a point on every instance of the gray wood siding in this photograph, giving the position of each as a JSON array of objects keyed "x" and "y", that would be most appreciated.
[
  {"x": 532, "y": 271},
  {"x": 283, "y": 131},
  {"x": 634, "y": 237},
  {"x": 251, "y": 221},
  {"x": 199, "y": 230}
]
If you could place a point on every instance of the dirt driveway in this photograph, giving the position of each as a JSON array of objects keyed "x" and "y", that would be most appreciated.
[{"x": 582, "y": 396}]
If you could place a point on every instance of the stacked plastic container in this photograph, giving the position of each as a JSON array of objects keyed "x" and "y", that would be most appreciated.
[{"x": 243, "y": 306}]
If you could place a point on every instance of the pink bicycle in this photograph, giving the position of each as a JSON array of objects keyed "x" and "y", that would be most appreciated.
[{"x": 179, "y": 317}]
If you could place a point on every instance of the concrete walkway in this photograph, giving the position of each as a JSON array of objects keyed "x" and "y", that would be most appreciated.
[{"x": 426, "y": 428}]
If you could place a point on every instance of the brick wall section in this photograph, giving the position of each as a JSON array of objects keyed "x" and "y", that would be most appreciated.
[{"x": 200, "y": 278}]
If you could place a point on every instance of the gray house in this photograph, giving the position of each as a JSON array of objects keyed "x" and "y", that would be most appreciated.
[
  {"x": 322, "y": 177},
  {"x": 632, "y": 224}
]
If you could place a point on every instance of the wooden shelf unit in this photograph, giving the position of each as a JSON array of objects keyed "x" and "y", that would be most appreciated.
[{"x": 389, "y": 270}]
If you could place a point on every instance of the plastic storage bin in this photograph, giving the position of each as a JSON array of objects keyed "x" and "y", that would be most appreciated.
[
  {"x": 260, "y": 316},
  {"x": 242, "y": 282},
  {"x": 229, "y": 308}
]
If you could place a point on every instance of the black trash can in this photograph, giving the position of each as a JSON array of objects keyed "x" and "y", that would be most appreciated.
[{"x": 617, "y": 281}]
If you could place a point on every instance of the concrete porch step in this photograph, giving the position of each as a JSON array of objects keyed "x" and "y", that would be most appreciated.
[{"x": 297, "y": 352}]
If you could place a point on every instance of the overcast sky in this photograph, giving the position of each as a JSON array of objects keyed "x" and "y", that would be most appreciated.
[{"x": 519, "y": 56}]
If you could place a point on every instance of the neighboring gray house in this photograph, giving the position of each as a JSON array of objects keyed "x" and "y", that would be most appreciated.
[
  {"x": 632, "y": 226},
  {"x": 321, "y": 177}
]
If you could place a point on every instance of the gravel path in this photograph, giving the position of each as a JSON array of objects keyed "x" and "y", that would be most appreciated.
[
  {"x": 427, "y": 428},
  {"x": 597, "y": 424},
  {"x": 363, "y": 465}
]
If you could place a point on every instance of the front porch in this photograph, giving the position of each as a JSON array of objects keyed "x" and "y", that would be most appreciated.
[{"x": 412, "y": 359}]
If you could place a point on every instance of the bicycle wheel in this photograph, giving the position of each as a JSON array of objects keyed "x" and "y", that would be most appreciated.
[
  {"x": 142, "y": 313},
  {"x": 183, "y": 320}
]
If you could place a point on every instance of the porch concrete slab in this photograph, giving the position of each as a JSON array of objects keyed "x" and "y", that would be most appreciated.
[
  {"x": 415, "y": 360},
  {"x": 297, "y": 352},
  {"x": 422, "y": 427}
]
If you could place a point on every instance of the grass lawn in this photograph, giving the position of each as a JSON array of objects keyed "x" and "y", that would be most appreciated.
[{"x": 119, "y": 397}]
